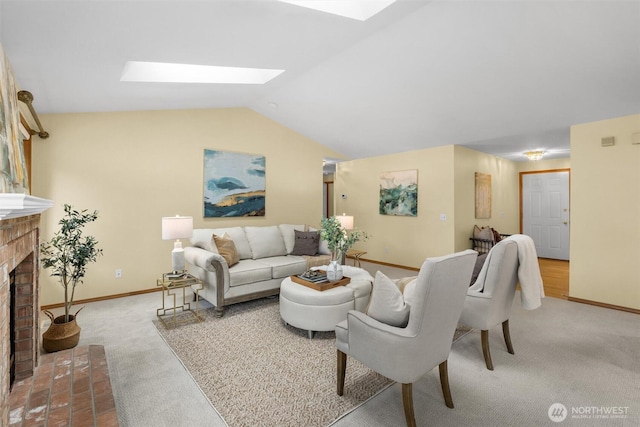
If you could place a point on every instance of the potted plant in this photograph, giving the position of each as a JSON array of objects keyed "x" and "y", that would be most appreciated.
[
  {"x": 339, "y": 241},
  {"x": 67, "y": 255}
]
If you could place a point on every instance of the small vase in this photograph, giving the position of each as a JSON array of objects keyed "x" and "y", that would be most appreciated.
[
  {"x": 334, "y": 271},
  {"x": 61, "y": 335}
]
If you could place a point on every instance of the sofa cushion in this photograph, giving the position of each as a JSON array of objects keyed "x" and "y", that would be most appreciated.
[
  {"x": 285, "y": 266},
  {"x": 306, "y": 243},
  {"x": 387, "y": 303},
  {"x": 265, "y": 241},
  {"x": 239, "y": 239},
  {"x": 226, "y": 248},
  {"x": 249, "y": 271},
  {"x": 288, "y": 235},
  {"x": 202, "y": 239}
]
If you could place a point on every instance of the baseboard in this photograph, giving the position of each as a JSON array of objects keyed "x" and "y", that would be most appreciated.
[
  {"x": 104, "y": 298},
  {"x": 404, "y": 267},
  {"x": 604, "y": 305}
]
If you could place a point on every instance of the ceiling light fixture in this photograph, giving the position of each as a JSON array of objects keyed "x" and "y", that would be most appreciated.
[
  {"x": 534, "y": 155},
  {"x": 161, "y": 72},
  {"x": 354, "y": 9}
]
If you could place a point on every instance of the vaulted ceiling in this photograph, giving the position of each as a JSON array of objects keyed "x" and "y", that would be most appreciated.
[{"x": 496, "y": 76}]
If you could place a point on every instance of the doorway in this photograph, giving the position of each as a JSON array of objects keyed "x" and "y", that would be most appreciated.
[{"x": 544, "y": 207}]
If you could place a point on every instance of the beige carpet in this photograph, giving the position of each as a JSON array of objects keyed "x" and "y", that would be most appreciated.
[{"x": 258, "y": 372}]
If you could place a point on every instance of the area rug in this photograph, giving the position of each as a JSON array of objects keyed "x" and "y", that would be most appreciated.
[{"x": 256, "y": 371}]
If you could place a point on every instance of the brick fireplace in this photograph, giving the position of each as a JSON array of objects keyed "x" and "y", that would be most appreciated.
[{"x": 19, "y": 291}]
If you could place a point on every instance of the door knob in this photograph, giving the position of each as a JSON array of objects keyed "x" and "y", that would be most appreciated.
[{"x": 565, "y": 222}]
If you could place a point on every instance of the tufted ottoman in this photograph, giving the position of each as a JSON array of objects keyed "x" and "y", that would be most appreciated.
[{"x": 306, "y": 308}]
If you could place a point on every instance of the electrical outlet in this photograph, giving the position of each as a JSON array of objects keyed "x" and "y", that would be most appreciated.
[{"x": 118, "y": 273}]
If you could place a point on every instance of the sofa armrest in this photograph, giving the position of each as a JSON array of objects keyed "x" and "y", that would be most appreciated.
[
  {"x": 205, "y": 259},
  {"x": 213, "y": 270}
]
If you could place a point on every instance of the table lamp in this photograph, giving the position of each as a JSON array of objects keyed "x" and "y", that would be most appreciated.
[
  {"x": 177, "y": 227},
  {"x": 347, "y": 224},
  {"x": 346, "y": 221}
]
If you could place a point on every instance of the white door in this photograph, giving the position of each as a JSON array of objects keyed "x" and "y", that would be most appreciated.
[{"x": 545, "y": 212}]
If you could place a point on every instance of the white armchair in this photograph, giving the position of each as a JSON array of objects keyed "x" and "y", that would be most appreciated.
[
  {"x": 406, "y": 354},
  {"x": 489, "y": 299}
]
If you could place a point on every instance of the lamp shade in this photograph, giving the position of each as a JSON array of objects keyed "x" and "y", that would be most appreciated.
[
  {"x": 177, "y": 227},
  {"x": 346, "y": 221}
]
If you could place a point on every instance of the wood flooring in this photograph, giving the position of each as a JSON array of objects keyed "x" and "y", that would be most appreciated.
[{"x": 555, "y": 277}]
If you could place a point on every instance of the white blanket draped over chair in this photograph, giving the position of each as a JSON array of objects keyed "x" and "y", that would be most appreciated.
[{"x": 489, "y": 299}]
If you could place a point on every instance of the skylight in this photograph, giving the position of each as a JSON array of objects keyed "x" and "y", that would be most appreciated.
[
  {"x": 354, "y": 9},
  {"x": 161, "y": 72}
]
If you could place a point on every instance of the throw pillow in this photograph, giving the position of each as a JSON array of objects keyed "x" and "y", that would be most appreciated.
[
  {"x": 387, "y": 304},
  {"x": 323, "y": 248},
  {"x": 227, "y": 249},
  {"x": 485, "y": 233},
  {"x": 306, "y": 243},
  {"x": 265, "y": 241}
]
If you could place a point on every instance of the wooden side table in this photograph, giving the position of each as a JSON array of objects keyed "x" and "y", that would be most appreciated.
[
  {"x": 355, "y": 255},
  {"x": 171, "y": 287}
]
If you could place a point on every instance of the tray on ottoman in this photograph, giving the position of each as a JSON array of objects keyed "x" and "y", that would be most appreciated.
[{"x": 320, "y": 286}]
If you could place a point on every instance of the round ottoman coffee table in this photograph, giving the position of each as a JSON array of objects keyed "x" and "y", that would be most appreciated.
[{"x": 313, "y": 310}]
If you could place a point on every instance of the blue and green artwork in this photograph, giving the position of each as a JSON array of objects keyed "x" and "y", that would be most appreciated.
[
  {"x": 234, "y": 184},
  {"x": 399, "y": 193}
]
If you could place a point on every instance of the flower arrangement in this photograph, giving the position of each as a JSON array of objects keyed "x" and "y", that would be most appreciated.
[{"x": 338, "y": 239}]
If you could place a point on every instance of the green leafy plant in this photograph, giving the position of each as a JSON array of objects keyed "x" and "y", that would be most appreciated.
[
  {"x": 68, "y": 253},
  {"x": 338, "y": 239}
]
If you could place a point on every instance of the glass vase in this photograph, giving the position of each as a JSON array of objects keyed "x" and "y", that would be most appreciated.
[{"x": 334, "y": 271}]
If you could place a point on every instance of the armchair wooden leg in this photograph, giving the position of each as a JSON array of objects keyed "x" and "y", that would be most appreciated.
[
  {"x": 444, "y": 383},
  {"x": 342, "y": 367},
  {"x": 484, "y": 335},
  {"x": 507, "y": 336},
  {"x": 407, "y": 402}
]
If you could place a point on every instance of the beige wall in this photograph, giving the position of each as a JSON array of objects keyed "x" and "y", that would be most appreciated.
[
  {"x": 446, "y": 185},
  {"x": 401, "y": 240},
  {"x": 544, "y": 165},
  {"x": 504, "y": 194},
  {"x": 605, "y": 213},
  {"x": 135, "y": 167}
]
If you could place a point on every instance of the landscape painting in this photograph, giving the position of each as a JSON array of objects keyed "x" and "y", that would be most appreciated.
[
  {"x": 483, "y": 195},
  {"x": 399, "y": 193},
  {"x": 13, "y": 170},
  {"x": 234, "y": 184}
]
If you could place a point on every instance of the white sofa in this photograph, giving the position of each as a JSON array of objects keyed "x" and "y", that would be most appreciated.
[{"x": 265, "y": 259}]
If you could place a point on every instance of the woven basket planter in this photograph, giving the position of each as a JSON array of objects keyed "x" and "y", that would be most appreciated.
[{"x": 61, "y": 335}]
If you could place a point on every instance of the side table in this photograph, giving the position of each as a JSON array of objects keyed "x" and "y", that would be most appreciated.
[
  {"x": 171, "y": 286},
  {"x": 355, "y": 254}
]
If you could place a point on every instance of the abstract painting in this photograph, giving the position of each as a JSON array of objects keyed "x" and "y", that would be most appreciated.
[
  {"x": 13, "y": 169},
  {"x": 483, "y": 195},
  {"x": 399, "y": 193},
  {"x": 234, "y": 184}
]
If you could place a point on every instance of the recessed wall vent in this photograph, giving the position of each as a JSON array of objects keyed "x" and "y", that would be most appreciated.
[{"x": 608, "y": 141}]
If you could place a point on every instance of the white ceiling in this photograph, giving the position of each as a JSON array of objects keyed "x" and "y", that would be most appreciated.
[{"x": 496, "y": 76}]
